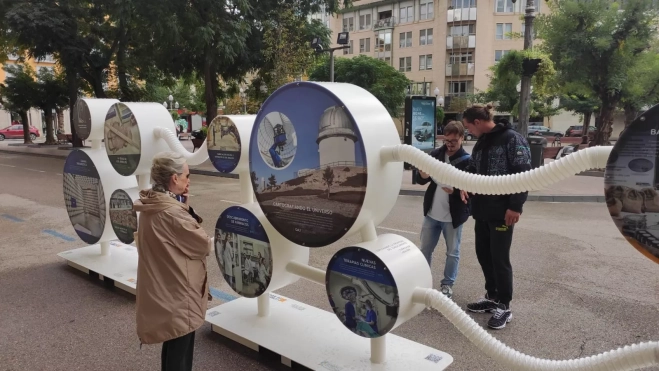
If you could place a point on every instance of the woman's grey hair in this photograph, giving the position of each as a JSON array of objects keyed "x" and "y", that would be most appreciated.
[{"x": 165, "y": 164}]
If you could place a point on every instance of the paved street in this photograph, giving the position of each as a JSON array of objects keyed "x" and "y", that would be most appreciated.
[{"x": 580, "y": 288}]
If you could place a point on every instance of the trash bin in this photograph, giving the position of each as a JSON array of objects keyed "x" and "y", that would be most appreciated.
[{"x": 537, "y": 145}]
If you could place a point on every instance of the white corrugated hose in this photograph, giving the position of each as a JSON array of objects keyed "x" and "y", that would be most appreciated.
[{"x": 196, "y": 158}]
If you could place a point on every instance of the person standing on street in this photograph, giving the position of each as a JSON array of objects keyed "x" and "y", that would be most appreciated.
[
  {"x": 500, "y": 150},
  {"x": 172, "y": 281},
  {"x": 443, "y": 208}
]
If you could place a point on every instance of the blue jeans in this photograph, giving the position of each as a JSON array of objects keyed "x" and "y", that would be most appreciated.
[{"x": 430, "y": 233}]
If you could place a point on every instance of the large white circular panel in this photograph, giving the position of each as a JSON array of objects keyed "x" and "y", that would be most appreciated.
[
  {"x": 315, "y": 157},
  {"x": 89, "y": 117}
]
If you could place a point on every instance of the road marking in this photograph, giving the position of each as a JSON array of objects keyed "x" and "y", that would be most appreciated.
[
  {"x": 39, "y": 171},
  {"x": 58, "y": 174},
  {"x": 217, "y": 294},
  {"x": 397, "y": 230},
  {"x": 231, "y": 202},
  {"x": 7, "y": 165},
  {"x": 12, "y": 218},
  {"x": 58, "y": 235}
]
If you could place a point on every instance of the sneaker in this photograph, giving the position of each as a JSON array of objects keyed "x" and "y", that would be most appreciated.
[
  {"x": 446, "y": 290},
  {"x": 502, "y": 315},
  {"x": 482, "y": 305}
]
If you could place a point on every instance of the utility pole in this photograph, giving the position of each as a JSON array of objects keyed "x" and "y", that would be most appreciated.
[
  {"x": 525, "y": 90},
  {"x": 342, "y": 40}
]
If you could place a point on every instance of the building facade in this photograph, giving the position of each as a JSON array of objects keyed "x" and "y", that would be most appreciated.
[{"x": 36, "y": 117}]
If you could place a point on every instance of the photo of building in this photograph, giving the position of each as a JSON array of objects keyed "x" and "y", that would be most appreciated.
[
  {"x": 316, "y": 198},
  {"x": 122, "y": 216}
]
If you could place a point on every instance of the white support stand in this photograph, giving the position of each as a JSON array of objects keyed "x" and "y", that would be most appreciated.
[
  {"x": 264, "y": 304},
  {"x": 96, "y": 143},
  {"x": 246, "y": 191},
  {"x": 368, "y": 232},
  {"x": 144, "y": 181},
  {"x": 316, "y": 339},
  {"x": 105, "y": 248}
]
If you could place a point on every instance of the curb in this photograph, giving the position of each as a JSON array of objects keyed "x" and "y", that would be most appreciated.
[{"x": 403, "y": 192}]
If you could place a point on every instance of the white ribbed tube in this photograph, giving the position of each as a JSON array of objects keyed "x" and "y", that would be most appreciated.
[
  {"x": 630, "y": 357},
  {"x": 536, "y": 179},
  {"x": 175, "y": 145}
]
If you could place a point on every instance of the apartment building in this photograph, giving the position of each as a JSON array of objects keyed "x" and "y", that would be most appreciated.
[{"x": 35, "y": 116}]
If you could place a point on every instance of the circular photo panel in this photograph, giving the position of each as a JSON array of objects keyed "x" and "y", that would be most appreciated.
[
  {"x": 362, "y": 292},
  {"x": 82, "y": 119},
  {"x": 122, "y": 139},
  {"x": 84, "y": 197},
  {"x": 223, "y": 142},
  {"x": 631, "y": 181},
  {"x": 242, "y": 250},
  {"x": 122, "y": 216},
  {"x": 309, "y": 165}
]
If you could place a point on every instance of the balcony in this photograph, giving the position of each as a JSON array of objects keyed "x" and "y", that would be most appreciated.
[
  {"x": 461, "y": 42},
  {"x": 461, "y": 14},
  {"x": 460, "y": 69},
  {"x": 384, "y": 23}
]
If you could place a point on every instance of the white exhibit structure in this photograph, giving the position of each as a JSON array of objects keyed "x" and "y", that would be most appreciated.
[{"x": 342, "y": 175}]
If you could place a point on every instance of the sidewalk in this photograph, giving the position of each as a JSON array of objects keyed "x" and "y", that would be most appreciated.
[{"x": 574, "y": 189}]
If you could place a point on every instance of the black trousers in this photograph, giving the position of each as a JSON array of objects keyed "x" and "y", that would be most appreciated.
[
  {"x": 493, "y": 240},
  {"x": 177, "y": 353}
]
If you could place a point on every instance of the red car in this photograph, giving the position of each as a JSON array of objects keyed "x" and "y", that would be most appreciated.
[{"x": 16, "y": 132}]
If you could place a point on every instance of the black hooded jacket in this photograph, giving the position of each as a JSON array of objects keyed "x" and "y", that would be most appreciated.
[
  {"x": 502, "y": 151},
  {"x": 458, "y": 209}
]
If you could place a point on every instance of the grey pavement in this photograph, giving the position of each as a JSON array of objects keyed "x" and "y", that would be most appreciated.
[
  {"x": 580, "y": 288},
  {"x": 574, "y": 189}
]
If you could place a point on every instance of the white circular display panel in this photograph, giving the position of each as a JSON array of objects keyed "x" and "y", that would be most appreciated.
[
  {"x": 122, "y": 139},
  {"x": 224, "y": 144},
  {"x": 122, "y": 216},
  {"x": 631, "y": 181}
]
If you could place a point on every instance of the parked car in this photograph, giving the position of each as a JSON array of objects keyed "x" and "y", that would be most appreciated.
[
  {"x": 469, "y": 136},
  {"x": 543, "y": 131},
  {"x": 16, "y": 132},
  {"x": 575, "y": 131},
  {"x": 424, "y": 132}
]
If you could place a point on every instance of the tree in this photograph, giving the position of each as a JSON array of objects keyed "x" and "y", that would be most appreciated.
[
  {"x": 386, "y": 83},
  {"x": 583, "y": 105},
  {"x": 255, "y": 180},
  {"x": 18, "y": 92},
  {"x": 328, "y": 178},
  {"x": 641, "y": 87},
  {"x": 272, "y": 181},
  {"x": 50, "y": 95},
  {"x": 595, "y": 45}
]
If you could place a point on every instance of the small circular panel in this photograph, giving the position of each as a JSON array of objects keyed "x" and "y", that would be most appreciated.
[
  {"x": 82, "y": 119},
  {"x": 122, "y": 216},
  {"x": 631, "y": 181},
  {"x": 243, "y": 252},
  {"x": 223, "y": 143},
  {"x": 362, "y": 292},
  {"x": 308, "y": 165},
  {"x": 122, "y": 139},
  {"x": 84, "y": 197}
]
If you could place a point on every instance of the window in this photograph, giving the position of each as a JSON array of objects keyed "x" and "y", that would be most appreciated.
[
  {"x": 48, "y": 58},
  {"x": 425, "y": 62},
  {"x": 460, "y": 4},
  {"x": 466, "y": 30},
  {"x": 426, "y": 9},
  {"x": 365, "y": 45},
  {"x": 425, "y": 37},
  {"x": 405, "y": 64},
  {"x": 364, "y": 22},
  {"x": 420, "y": 88},
  {"x": 348, "y": 24},
  {"x": 504, "y": 31},
  {"x": 406, "y": 14},
  {"x": 456, "y": 58},
  {"x": 383, "y": 41},
  {"x": 522, "y": 6},
  {"x": 459, "y": 87},
  {"x": 348, "y": 50},
  {"x": 12, "y": 57},
  {"x": 504, "y": 6},
  {"x": 405, "y": 39},
  {"x": 498, "y": 54}
]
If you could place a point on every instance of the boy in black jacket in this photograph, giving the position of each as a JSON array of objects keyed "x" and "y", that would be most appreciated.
[
  {"x": 499, "y": 151},
  {"x": 444, "y": 209}
]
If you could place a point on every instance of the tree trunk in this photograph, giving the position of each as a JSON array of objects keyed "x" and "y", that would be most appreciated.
[
  {"x": 604, "y": 121},
  {"x": 586, "y": 125},
  {"x": 26, "y": 128},
  {"x": 210, "y": 88},
  {"x": 98, "y": 84},
  {"x": 72, "y": 82},
  {"x": 124, "y": 89},
  {"x": 60, "y": 119},
  {"x": 630, "y": 114},
  {"x": 50, "y": 138}
]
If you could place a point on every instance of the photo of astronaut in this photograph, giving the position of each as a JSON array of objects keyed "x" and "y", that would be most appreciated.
[
  {"x": 277, "y": 140},
  {"x": 362, "y": 293}
]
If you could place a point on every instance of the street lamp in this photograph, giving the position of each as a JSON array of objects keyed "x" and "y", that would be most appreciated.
[
  {"x": 176, "y": 105},
  {"x": 530, "y": 67},
  {"x": 171, "y": 99},
  {"x": 164, "y": 104},
  {"x": 343, "y": 39},
  {"x": 439, "y": 98}
]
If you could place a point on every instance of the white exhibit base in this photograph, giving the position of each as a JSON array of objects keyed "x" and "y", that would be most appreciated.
[
  {"x": 120, "y": 265},
  {"x": 315, "y": 338}
]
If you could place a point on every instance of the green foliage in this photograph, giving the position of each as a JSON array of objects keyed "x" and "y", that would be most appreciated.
[
  {"x": 642, "y": 85},
  {"x": 379, "y": 78},
  {"x": 18, "y": 90},
  {"x": 439, "y": 115}
]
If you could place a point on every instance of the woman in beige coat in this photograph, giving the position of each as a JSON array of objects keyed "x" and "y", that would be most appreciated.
[{"x": 172, "y": 285}]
